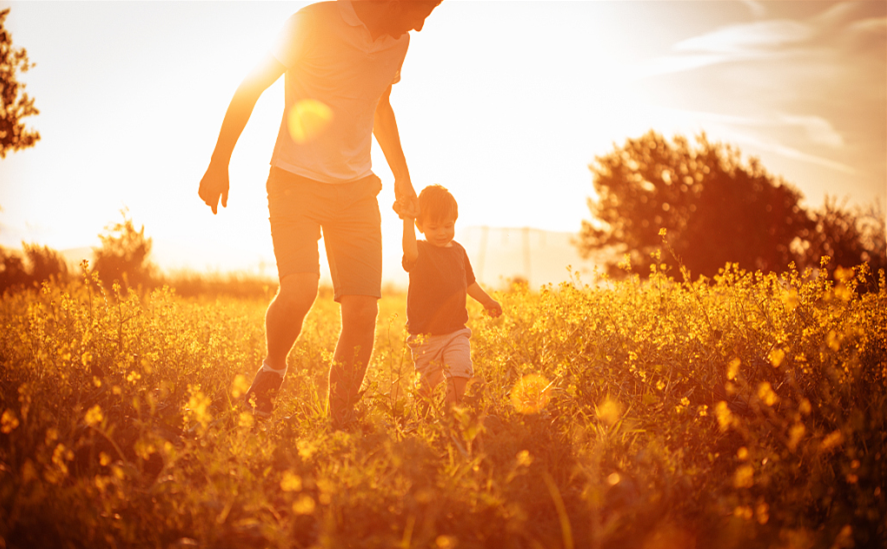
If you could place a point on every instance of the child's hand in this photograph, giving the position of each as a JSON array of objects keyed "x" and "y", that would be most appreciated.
[{"x": 493, "y": 308}]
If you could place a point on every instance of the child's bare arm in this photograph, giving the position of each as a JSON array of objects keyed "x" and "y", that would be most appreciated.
[
  {"x": 491, "y": 305},
  {"x": 410, "y": 249}
]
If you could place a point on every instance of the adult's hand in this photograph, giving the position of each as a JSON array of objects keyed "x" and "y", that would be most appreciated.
[
  {"x": 213, "y": 186},
  {"x": 406, "y": 207}
]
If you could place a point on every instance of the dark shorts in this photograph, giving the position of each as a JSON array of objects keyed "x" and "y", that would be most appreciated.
[{"x": 348, "y": 216}]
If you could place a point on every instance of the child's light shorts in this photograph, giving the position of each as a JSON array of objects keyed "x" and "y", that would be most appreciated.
[{"x": 442, "y": 356}]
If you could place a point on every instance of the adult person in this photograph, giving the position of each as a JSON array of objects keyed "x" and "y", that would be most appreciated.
[{"x": 340, "y": 58}]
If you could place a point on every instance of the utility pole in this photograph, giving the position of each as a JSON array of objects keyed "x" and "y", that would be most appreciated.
[
  {"x": 526, "y": 238},
  {"x": 482, "y": 253}
]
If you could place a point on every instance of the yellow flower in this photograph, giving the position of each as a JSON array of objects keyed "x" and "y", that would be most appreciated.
[
  {"x": 733, "y": 368},
  {"x": 94, "y": 416},
  {"x": 743, "y": 511},
  {"x": 197, "y": 406},
  {"x": 240, "y": 386},
  {"x": 777, "y": 355},
  {"x": 795, "y": 433},
  {"x": 766, "y": 394},
  {"x": 60, "y": 455},
  {"x": 446, "y": 542},
  {"x": 744, "y": 477},
  {"x": 8, "y": 422},
  {"x": 724, "y": 415},
  {"x": 790, "y": 299},
  {"x": 290, "y": 482},
  {"x": 306, "y": 449},
  {"x": 835, "y": 438},
  {"x": 245, "y": 420},
  {"x": 804, "y": 407},
  {"x": 304, "y": 505},
  {"x": 524, "y": 458},
  {"x": 762, "y": 511},
  {"x": 833, "y": 340}
]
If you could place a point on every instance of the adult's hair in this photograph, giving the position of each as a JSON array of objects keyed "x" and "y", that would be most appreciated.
[{"x": 430, "y": 2}]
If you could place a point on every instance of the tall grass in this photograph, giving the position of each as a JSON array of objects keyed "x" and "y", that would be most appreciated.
[{"x": 745, "y": 410}]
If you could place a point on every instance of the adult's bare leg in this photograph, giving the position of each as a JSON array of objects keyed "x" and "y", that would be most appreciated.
[
  {"x": 285, "y": 314},
  {"x": 353, "y": 352},
  {"x": 283, "y": 323}
]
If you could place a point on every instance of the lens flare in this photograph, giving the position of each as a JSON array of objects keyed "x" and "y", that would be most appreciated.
[
  {"x": 529, "y": 395},
  {"x": 307, "y": 119},
  {"x": 610, "y": 411}
]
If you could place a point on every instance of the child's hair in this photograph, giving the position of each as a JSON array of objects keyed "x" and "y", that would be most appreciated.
[{"x": 436, "y": 204}]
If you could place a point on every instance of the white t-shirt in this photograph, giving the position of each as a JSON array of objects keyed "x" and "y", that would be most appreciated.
[{"x": 331, "y": 57}]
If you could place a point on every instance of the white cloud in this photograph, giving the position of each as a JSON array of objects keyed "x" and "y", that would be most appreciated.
[
  {"x": 748, "y": 38},
  {"x": 677, "y": 63},
  {"x": 758, "y": 9},
  {"x": 790, "y": 152},
  {"x": 853, "y": 21},
  {"x": 838, "y": 15},
  {"x": 762, "y": 132},
  {"x": 818, "y": 129}
]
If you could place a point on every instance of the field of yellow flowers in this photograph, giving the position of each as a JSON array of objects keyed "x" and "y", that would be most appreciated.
[{"x": 745, "y": 411}]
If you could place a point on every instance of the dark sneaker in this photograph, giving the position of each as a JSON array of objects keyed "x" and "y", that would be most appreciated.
[{"x": 260, "y": 396}]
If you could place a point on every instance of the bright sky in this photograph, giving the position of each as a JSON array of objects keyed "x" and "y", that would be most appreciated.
[{"x": 504, "y": 102}]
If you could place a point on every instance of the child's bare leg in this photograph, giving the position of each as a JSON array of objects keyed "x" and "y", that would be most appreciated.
[
  {"x": 425, "y": 391},
  {"x": 456, "y": 390}
]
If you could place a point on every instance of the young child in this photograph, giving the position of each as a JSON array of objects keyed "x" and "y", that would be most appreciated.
[{"x": 440, "y": 278}]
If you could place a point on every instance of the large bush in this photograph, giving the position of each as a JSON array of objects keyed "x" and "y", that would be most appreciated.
[{"x": 717, "y": 208}]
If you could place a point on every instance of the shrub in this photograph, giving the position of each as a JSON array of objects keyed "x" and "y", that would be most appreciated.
[{"x": 123, "y": 255}]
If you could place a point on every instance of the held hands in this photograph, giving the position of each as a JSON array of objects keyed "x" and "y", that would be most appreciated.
[
  {"x": 406, "y": 203},
  {"x": 213, "y": 186},
  {"x": 406, "y": 207}
]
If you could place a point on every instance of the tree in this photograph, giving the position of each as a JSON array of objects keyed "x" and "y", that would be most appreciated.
[
  {"x": 33, "y": 265},
  {"x": 123, "y": 256},
  {"x": 14, "y": 102},
  {"x": 12, "y": 270},
  {"x": 715, "y": 207},
  {"x": 849, "y": 236},
  {"x": 45, "y": 263}
]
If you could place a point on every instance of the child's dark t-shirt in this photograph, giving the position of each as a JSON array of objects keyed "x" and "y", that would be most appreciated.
[{"x": 439, "y": 281}]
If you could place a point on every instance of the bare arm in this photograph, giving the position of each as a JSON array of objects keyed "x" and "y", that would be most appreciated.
[
  {"x": 410, "y": 249},
  {"x": 385, "y": 130},
  {"x": 491, "y": 305},
  {"x": 215, "y": 181}
]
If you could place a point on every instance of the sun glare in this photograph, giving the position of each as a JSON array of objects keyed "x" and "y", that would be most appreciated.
[{"x": 307, "y": 119}]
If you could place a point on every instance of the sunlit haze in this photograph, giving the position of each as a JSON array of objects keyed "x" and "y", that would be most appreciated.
[{"x": 503, "y": 102}]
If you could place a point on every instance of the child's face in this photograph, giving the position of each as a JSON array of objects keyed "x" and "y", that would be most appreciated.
[{"x": 438, "y": 232}]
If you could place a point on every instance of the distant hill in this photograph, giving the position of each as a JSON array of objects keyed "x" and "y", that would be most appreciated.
[
  {"x": 499, "y": 255},
  {"x": 73, "y": 257}
]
